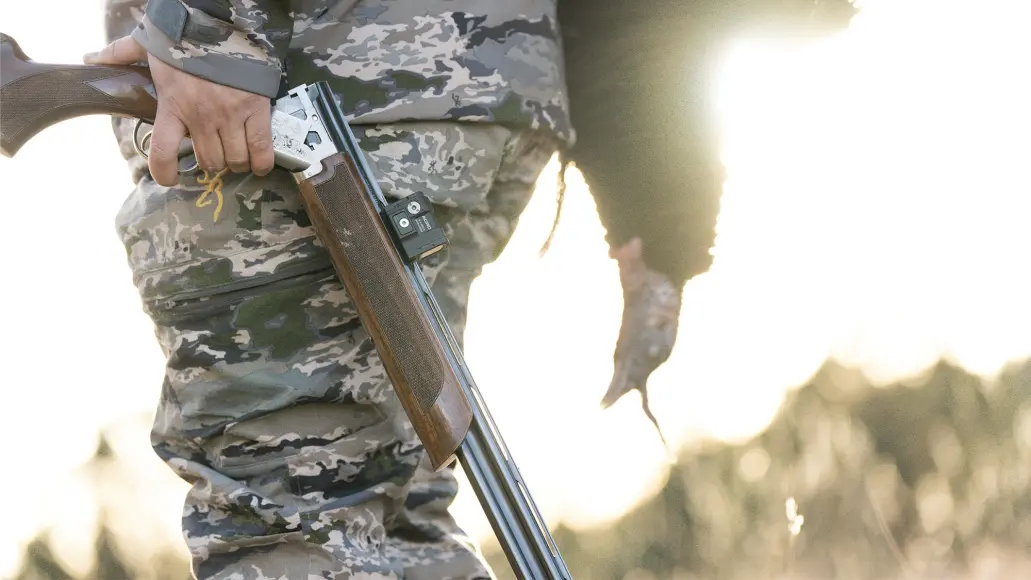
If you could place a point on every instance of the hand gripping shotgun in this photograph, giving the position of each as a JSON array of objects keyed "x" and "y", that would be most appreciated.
[{"x": 374, "y": 246}]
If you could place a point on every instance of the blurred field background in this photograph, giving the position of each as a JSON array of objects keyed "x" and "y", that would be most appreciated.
[{"x": 861, "y": 348}]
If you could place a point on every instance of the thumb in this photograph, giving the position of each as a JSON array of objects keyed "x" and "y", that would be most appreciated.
[{"x": 125, "y": 50}]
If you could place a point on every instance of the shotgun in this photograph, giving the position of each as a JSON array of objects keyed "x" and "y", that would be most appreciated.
[{"x": 375, "y": 248}]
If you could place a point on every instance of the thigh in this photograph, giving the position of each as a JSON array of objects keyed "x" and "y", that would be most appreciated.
[
  {"x": 424, "y": 536},
  {"x": 479, "y": 235},
  {"x": 275, "y": 405},
  {"x": 244, "y": 300}
]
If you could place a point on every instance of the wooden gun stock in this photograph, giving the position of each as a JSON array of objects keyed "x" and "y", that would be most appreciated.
[
  {"x": 340, "y": 207},
  {"x": 34, "y": 96}
]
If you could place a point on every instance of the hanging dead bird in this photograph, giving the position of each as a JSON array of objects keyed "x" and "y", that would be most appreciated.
[
  {"x": 641, "y": 76},
  {"x": 648, "y": 329}
]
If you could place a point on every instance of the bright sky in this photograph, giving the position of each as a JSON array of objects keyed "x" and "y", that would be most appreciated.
[{"x": 876, "y": 211}]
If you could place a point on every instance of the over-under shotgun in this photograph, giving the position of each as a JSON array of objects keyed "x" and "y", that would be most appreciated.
[{"x": 374, "y": 247}]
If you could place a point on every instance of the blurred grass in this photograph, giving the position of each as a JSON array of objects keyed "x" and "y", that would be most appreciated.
[
  {"x": 924, "y": 479},
  {"x": 930, "y": 478}
]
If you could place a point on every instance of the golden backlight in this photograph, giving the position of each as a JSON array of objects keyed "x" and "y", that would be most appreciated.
[{"x": 876, "y": 211}]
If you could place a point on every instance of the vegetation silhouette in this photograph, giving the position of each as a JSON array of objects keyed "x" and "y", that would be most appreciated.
[
  {"x": 926, "y": 478},
  {"x": 918, "y": 479}
]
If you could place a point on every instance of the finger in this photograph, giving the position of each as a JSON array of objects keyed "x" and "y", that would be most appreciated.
[
  {"x": 123, "y": 51},
  {"x": 259, "y": 141},
  {"x": 208, "y": 146},
  {"x": 234, "y": 145},
  {"x": 164, "y": 147}
]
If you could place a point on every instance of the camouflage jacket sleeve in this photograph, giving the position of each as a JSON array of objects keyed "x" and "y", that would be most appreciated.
[{"x": 239, "y": 43}]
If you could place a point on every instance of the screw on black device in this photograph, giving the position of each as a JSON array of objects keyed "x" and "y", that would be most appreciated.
[{"x": 414, "y": 228}]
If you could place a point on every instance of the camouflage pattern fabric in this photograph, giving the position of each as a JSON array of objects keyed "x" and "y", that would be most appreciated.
[
  {"x": 275, "y": 405},
  {"x": 229, "y": 42},
  {"x": 494, "y": 61}
]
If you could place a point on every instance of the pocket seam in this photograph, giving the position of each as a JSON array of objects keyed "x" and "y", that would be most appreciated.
[{"x": 142, "y": 273}]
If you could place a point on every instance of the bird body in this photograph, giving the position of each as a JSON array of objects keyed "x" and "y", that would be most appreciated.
[{"x": 648, "y": 328}]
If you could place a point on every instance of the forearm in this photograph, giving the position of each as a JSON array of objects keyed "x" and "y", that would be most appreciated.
[
  {"x": 238, "y": 43},
  {"x": 646, "y": 141},
  {"x": 642, "y": 192}
]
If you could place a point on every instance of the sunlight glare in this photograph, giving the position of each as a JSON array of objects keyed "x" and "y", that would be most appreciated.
[{"x": 876, "y": 210}]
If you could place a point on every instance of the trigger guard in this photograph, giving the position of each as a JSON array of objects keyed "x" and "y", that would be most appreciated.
[{"x": 141, "y": 146}]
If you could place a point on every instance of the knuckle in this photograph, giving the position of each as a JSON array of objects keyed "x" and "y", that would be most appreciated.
[
  {"x": 208, "y": 164},
  {"x": 119, "y": 50},
  {"x": 205, "y": 111},
  {"x": 260, "y": 129},
  {"x": 260, "y": 143},
  {"x": 259, "y": 124},
  {"x": 228, "y": 107},
  {"x": 241, "y": 110},
  {"x": 159, "y": 152},
  {"x": 257, "y": 104},
  {"x": 173, "y": 105}
]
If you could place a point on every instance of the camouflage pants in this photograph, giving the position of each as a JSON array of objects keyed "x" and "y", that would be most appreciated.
[{"x": 275, "y": 405}]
